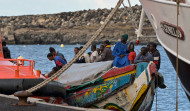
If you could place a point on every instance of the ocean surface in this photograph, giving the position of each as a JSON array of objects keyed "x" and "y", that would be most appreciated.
[{"x": 166, "y": 97}]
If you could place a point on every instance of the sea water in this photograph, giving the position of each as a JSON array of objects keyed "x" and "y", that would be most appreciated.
[{"x": 166, "y": 97}]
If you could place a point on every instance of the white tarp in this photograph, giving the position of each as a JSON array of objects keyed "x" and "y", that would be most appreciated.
[{"x": 80, "y": 73}]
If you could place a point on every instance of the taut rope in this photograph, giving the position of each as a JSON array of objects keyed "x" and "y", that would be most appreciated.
[
  {"x": 58, "y": 73},
  {"x": 177, "y": 53}
]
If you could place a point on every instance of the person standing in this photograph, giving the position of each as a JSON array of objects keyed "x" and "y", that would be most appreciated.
[
  {"x": 155, "y": 54},
  {"x": 121, "y": 53},
  {"x": 6, "y": 51},
  {"x": 94, "y": 55}
]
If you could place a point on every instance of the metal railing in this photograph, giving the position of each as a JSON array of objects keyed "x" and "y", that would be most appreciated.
[{"x": 19, "y": 63}]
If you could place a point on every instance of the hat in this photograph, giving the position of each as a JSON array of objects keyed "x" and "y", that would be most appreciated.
[{"x": 125, "y": 37}]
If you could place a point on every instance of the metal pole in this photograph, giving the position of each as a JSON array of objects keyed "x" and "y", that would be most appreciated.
[{"x": 141, "y": 24}]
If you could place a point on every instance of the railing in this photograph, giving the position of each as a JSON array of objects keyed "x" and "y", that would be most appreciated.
[{"x": 20, "y": 63}]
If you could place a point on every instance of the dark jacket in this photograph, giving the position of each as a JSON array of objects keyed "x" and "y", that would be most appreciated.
[
  {"x": 156, "y": 57},
  {"x": 106, "y": 55},
  {"x": 6, "y": 52}
]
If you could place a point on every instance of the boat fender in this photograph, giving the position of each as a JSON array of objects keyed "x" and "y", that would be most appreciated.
[{"x": 160, "y": 81}]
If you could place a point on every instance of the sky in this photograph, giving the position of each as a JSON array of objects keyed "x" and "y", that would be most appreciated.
[{"x": 28, "y": 7}]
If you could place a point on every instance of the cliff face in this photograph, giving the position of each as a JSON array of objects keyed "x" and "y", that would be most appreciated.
[{"x": 71, "y": 27}]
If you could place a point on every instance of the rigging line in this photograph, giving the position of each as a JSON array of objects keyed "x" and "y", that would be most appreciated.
[
  {"x": 157, "y": 93},
  {"x": 96, "y": 34},
  {"x": 177, "y": 47}
]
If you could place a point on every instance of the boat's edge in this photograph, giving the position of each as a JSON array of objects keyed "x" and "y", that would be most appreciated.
[{"x": 11, "y": 97}]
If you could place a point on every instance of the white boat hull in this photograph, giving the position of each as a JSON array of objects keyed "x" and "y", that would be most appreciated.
[{"x": 163, "y": 17}]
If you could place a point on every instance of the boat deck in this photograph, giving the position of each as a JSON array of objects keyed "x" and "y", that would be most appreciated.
[
  {"x": 8, "y": 70},
  {"x": 5, "y": 105}
]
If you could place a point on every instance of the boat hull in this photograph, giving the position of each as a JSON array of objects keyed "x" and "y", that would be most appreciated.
[
  {"x": 164, "y": 22},
  {"x": 52, "y": 89},
  {"x": 124, "y": 91}
]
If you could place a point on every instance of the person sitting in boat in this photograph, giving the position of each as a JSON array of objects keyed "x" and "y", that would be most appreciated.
[
  {"x": 82, "y": 58},
  {"x": 54, "y": 70},
  {"x": 148, "y": 46},
  {"x": 6, "y": 51},
  {"x": 86, "y": 56},
  {"x": 56, "y": 53},
  {"x": 155, "y": 54},
  {"x": 132, "y": 54},
  {"x": 121, "y": 53},
  {"x": 100, "y": 52},
  {"x": 143, "y": 56},
  {"x": 57, "y": 59},
  {"x": 94, "y": 55},
  {"x": 106, "y": 55}
]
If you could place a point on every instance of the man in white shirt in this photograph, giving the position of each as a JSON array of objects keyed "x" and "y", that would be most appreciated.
[{"x": 94, "y": 55}]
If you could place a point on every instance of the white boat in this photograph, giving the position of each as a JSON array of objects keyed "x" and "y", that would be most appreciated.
[{"x": 163, "y": 17}]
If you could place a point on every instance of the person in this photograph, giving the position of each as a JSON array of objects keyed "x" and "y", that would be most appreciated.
[
  {"x": 86, "y": 56},
  {"x": 6, "y": 51},
  {"x": 132, "y": 54},
  {"x": 107, "y": 44},
  {"x": 56, "y": 53},
  {"x": 57, "y": 59},
  {"x": 54, "y": 70},
  {"x": 101, "y": 48},
  {"x": 155, "y": 54},
  {"x": 106, "y": 55},
  {"x": 121, "y": 53},
  {"x": 94, "y": 55},
  {"x": 143, "y": 56},
  {"x": 148, "y": 46},
  {"x": 81, "y": 59}
]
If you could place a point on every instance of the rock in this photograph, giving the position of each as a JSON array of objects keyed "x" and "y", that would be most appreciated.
[{"x": 71, "y": 27}]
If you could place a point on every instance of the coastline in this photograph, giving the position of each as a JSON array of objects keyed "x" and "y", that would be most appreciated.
[{"x": 72, "y": 27}]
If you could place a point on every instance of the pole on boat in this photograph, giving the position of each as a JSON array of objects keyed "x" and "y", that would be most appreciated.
[{"x": 139, "y": 33}]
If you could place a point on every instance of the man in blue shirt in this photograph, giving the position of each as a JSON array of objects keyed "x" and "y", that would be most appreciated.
[
  {"x": 121, "y": 53},
  {"x": 56, "y": 53},
  {"x": 143, "y": 56},
  {"x": 57, "y": 59}
]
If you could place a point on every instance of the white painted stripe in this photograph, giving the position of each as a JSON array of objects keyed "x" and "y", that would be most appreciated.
[{"x": 156, "y": 58}]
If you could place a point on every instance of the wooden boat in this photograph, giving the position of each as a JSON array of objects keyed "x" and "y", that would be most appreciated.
[
  {"x": 16, "y": 77},
  {"x": 128, "y": 88},
  {"x": 120, "y": 89}
]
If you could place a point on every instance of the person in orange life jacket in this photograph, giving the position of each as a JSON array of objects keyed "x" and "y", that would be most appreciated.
[
  {"x": 155, "y": 54},
  {"x": 56, "y": 53},
  {"x": 132, "y": 54},
  {"x": 57, "y": 59}
]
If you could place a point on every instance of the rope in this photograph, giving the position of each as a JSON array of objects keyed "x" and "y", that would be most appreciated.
[
  {"x": 131, "y": 17},
  {"x": 157, "y": 93},
  {"x": 58, "y": 73},
  {"x": 177, "y": 68}
]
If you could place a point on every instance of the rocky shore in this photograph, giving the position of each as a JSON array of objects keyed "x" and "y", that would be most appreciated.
[{"x": 72, "y": 27}]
